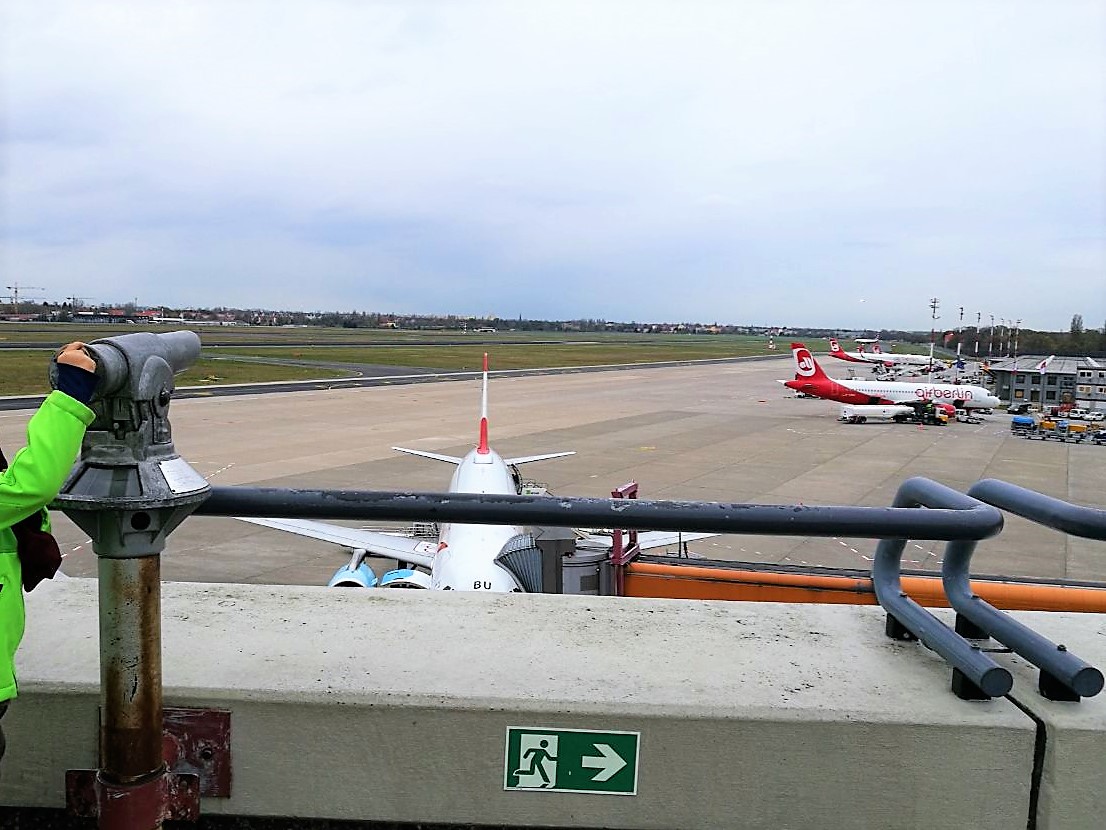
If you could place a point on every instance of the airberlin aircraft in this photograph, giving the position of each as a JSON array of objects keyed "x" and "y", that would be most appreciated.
[
  {"x": 811, "y": 380},
  {"x": 463, "y": 557},
  {"x": 852, "y": 357},
  {"x": 897, "y": 359},
  {"x": 879, "y": 357}
]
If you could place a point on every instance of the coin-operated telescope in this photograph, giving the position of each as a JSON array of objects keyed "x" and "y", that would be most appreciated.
[
  {"x": 128, "y": 491},
  {"x": 128, "y": 466}
]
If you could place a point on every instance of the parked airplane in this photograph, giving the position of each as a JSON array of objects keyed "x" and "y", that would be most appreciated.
[
  {"x": 811, "y": 380},
  {"x": 880, "y": 357},
  {"x": 896, "y": 359},
  {"x": 859, "y": 356},
  {"x": 463, "y": 557}
]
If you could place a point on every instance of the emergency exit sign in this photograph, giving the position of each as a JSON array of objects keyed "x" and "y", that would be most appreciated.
[{"x": 571, "y": 760}]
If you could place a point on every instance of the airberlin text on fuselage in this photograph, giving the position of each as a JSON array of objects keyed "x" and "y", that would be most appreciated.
[{"x": 926, "y": 393}]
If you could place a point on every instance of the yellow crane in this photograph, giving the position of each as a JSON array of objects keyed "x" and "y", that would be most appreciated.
[{"x": 15, "y": 289}]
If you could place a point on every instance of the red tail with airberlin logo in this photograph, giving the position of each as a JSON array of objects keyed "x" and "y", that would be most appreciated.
[{"x": 806, "y": 367}]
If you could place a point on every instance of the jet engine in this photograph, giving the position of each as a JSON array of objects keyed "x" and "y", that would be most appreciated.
[
  {"x": 354, "y": 574},
  {"x": 405, "y": 578}
]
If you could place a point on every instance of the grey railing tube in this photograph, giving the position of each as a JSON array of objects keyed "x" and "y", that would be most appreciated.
[
  {"x": 980, "y": 669},
  {"x": 1075, "y": 519},
  {"x": 1079, "y": 676},
  {"x": 975, "y": 522}
]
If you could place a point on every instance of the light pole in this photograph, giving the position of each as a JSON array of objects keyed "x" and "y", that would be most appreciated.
[
  {"x": 1017, "y": 325},
  {"x": 959, "y": 334},
  {"x": 934, "y": 304},
  {"x": 978, "y": 318}
]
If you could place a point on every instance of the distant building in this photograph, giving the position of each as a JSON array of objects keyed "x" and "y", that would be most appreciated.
[{"x": 1075, "y": 381}]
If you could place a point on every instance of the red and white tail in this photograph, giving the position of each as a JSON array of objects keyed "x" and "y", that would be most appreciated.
[
  {"x": 482, "y": 447},
  {"x": 876, "y": 349},
  {"x": 806, "y": 367},
  {"x": 835, "y": 348}
]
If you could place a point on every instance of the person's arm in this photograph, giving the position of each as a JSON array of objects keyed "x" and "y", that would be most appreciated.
[{"x": 54, "y": 436}]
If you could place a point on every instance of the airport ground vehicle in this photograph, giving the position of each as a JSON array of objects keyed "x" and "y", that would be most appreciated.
[
  {"x": 1061, "y": 430},
  {"x": 1078, "y": 414},
  {"x": 857, "y": 414},
  {"x": 1023, "y": 424},
  {"x": 1095, "y": 415}
]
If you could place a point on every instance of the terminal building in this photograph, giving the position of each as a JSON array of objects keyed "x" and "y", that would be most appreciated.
[{"x": 1075, "y": 381}]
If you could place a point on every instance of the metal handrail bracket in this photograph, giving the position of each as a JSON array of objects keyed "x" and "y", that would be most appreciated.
[
  {"x": 1064, "y": 676},
  {"x": 975, "y": 675}
]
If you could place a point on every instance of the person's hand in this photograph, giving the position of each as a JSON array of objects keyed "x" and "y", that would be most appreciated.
[{"x": 75, "y": 355}]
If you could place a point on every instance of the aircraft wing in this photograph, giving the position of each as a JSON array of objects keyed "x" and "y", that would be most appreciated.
[
  {"x": 646, "y": 539},
  {"x": 448, "y": 459},
  {"x": 526, "y": 459},
  {"x": 416, "y": 551}
]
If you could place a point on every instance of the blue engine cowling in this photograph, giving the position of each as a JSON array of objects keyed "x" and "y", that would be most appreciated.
[
  {"x": 405, "y": 578},
  {"x": 360, "y": 577},
  {"x": 355, "y": 574}
]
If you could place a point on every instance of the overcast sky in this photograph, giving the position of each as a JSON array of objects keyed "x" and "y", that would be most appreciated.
[{"x": 779, "y": 163}]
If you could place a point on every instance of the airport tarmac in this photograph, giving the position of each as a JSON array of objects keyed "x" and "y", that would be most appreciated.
[{"x": 712, "y": 432}]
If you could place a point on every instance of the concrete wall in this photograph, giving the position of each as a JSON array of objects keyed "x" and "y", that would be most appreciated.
[
  {"x": 393, "y": 705},
  {"x": 1074, "y": 763}
]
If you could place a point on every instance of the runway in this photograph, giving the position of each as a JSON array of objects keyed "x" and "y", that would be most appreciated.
[{"x": 710, "y": 432}]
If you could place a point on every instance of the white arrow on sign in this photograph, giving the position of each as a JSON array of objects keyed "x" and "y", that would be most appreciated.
[{"x": 608, "y": 762}]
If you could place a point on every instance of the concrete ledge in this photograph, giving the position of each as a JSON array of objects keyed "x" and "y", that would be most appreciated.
[
  {"x": 393, "y": 706},
  {"x": 1073, "y": 772}
]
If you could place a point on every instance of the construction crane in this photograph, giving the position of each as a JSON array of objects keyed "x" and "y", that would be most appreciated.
[{"x": 15, "y": 289}]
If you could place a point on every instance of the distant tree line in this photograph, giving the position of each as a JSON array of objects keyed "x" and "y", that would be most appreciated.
[{"x": 1077, "y": 341}]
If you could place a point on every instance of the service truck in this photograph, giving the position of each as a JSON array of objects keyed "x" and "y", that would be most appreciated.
[{"x": 859, "y": 414}]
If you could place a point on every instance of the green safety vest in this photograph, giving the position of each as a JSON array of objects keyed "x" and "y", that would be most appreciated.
[{"x": 35, "y": 476}]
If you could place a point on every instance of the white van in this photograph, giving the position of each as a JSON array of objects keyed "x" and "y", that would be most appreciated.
[{"x": 1078, "y": 414}]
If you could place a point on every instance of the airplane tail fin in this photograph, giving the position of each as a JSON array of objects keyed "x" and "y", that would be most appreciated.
[
  {"x": 806, "y": 367},
  {"x": 835, "y": 347},
  {"x": 876, "y": 349},
  {"x": 482, "y": 447}
]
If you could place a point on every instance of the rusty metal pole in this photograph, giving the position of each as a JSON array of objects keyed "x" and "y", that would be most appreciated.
[{"x": 130, "y": 668}]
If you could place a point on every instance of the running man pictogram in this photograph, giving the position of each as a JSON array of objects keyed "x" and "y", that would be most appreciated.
[{"x": 537, "y": 761}]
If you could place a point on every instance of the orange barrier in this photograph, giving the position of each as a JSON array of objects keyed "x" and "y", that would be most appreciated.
[{"x": 651, "y": 579}]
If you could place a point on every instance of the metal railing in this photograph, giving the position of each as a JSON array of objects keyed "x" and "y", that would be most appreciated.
[
  {"x": 974, "y": 522},
  {"x": 1064, "y": 676},
  {"x": 907, "y": 620}
]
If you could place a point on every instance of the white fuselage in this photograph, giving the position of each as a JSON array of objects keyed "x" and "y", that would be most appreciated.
[
  {"x": 465, "y": 560},
  {"x": 905, "y": 359},
  {"x": 892, "y": 392},
  {"x": 856, "y": 357}
]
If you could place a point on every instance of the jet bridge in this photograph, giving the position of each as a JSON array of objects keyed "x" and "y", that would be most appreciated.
[{"x": 701, "y": 714}]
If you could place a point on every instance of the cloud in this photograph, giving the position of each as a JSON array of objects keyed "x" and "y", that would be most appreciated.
[{"x": 746, "y": 162}]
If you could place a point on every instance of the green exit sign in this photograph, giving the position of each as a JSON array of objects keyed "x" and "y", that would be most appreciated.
[{"x": 571, "y": 760}]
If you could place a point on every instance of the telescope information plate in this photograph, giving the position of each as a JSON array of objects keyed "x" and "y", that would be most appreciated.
[{"x": 180, "y": 476}]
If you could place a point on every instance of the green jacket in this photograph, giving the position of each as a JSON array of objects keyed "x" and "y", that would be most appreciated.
[{"x": 35, "y": 476}]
